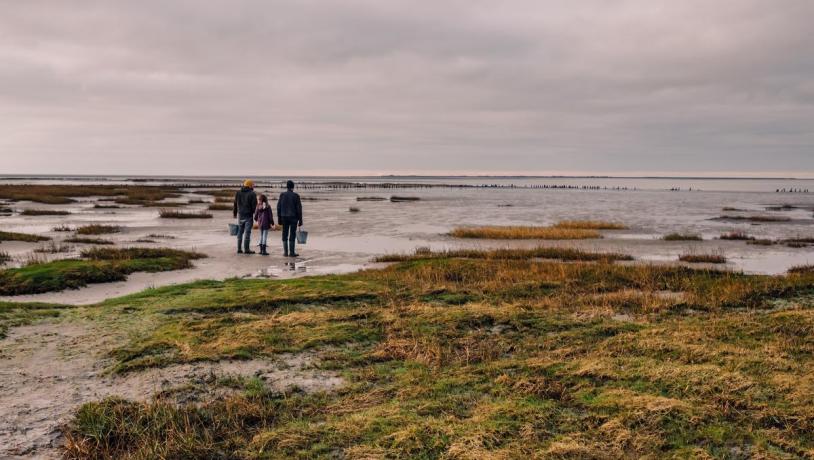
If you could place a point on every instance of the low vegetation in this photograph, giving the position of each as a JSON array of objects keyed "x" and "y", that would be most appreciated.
[
  {"x": 97, "y": 265},
  {"x": 98, "y": 229},
  {"x": 756, "y": 218},
  {"x": 106, "y": 206},
  {"x": 590, "y": 225},
  {"x": 475, "y": 358},
  {"x": 173, "y": 214},
  {"x": 371, "y": 198},
  {"x": 26, "y": 237},
  {"x": 565, "y": 254},
  {"x": 43, "y": 212},
  {"x": 14, "y": 314},
  {"x": 220, "y": 207},
  {"x": 54, "y": 248},
  {"x": 4, "y": 258},
  {"x": 736, "y": 236},
  {"x": 63, "y": 194},
  {"x": 63, "y": 228},
  {"x": 802, "y": 269},
  {"x": 401, "y": 199},
  {"x": 524, "y": 233},
  {"x": 85, "y": 240},
  {"x": 354, "y": 209},
  {"x": 682, "y": 237},
  {"x": 703, "y": 258}
]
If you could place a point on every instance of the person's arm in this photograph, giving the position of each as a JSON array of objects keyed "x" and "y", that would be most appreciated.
[
  {"x": 299, "y": 211},
  {"x": 271, "y": 217},
  {"x": 234, "y": 208},
  {"x": 279, "y": 205}
]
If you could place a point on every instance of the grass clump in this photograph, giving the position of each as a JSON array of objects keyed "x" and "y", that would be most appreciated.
[
  {"x": 682, "y": 237},
  {"x": 371, "y": 198},
  {"x": 4, "y": 258},
  {"x": 802, "y": 269},
  {"x": 737, "y": 236},
  {"x": 402, "y": 199},
  {"x": 475, "y": 358},
  {"x": 98, "y": 265},
  {"x": 63, "y": 194},
  {"x": 98, "y": 229},
  {"x": 590, "y": 225},
  {"x": 703, "y": 258},
  {"x": 521, "y": 233},
  {"x": 173, "y": 214},
  {"x": 353, "y": 209},
  {"x": 84, "y": 240},
  {"x": 220, "y": 207},
  {"x": 43, "y": 212},
  {"x": 63, "y": 228},
  {"x": 106, "y": 206},
  {"x": 26, "y": 237},
  {"x": 54, "y": 248},
  {"x": 14, "y": 314}
]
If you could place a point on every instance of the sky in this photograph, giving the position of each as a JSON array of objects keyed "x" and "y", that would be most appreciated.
[{"x": 266, "y": 87}]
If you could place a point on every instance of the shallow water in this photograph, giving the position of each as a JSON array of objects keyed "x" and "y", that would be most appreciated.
[{"x": 341, "y": 241}]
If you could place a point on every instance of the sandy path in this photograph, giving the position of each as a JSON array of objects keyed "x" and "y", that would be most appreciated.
[{"x": 47, "y": 370}]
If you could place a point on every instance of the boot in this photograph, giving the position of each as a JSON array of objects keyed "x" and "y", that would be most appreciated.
[
  {"x": 291, "y": 252},
  {"x": 263, "y": 250},
  {"x": 246, "y": 250},
  {"x": 285, "y": 249}
]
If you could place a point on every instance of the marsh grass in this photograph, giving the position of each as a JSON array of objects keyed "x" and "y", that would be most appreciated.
[
  {"x": 402, "y": 199},
  {"x": 43, "y": 212},
  {"x": 520, "y": 232},
  {"x": 14, "y": 314},
  {"x": 54, "y": 248},
  {"x": 476, "y": 358},
  {"x": 98, "y": 265},
  {"x": 590, "y": 225},
  {"x": 761, "y": 242},
  {"x": 81, "y": 240},
  {"x": 756, "y": 218},
  {"x": 682, "y": 237},
  {"x": 63, "y": 228},
  {"x": 736, "y": 236},
  {"x": 353, "y": 209},
  {"x": 702, "y": 258},
  {"x": 371, "y": 198},
  {"x": 220, "y": 207},
  {"x": 98, "y": 229},
  {"x": 802, "y": 269},
  {"x": 106, "y": 206},
  {"x": 64, "y": 194},
  {"x": 565, "y": 254},
  {"x": 26, "y": 237},
  {"x": 5, "y": 257},
  {"x": 173, "y": 214}
]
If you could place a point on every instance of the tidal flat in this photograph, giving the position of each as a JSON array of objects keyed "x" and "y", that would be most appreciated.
[{"x": 390, "y": 338}]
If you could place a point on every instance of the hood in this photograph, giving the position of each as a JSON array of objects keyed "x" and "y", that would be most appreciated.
[{"x": 245, "y": 189}]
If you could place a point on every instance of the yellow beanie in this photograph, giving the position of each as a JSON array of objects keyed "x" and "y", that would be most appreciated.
[{"x": 248, "y": 183}]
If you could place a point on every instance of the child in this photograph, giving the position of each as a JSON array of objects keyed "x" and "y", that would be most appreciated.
[{"x": 265, "y": 220}]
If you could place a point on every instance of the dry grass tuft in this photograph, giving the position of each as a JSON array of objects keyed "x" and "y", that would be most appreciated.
[
  {"x": 682, "y": 237},
  {"x": 43, "y": 212},
  {"x": 174, "y": 214},
  {"x": 703, "y": 258},
  {"x": 27, "y": 237},
  {"x": 737, "y": 236}
]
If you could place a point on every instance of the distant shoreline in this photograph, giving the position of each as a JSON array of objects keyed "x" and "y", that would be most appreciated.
[{"x": 388, "y": 176}]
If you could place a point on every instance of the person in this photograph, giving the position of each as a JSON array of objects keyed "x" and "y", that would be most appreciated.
[
  {"x": 243, "y": 211},
  {"x": 289, "y": 212},
  {"x": 265, "y": 220}
]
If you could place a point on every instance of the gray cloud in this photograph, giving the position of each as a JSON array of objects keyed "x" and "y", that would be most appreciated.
[{"x": 265, "y": 87}]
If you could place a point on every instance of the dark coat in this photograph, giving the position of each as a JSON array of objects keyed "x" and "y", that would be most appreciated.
[
  {"x": 264, "y": 218},
  {"x": 245, "y": 203},
  {"x": 289, "y": 207}
]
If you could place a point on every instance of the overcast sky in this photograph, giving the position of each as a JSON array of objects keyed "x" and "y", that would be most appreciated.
[{"x": 389, "y": 86}]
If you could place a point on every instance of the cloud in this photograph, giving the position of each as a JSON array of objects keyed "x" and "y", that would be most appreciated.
[{"x": 231, "y": 87}]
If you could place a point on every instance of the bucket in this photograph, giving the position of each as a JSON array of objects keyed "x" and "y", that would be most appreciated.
[
  {"x": 302, "y": 236},
  {"x": 233, "y": 229}
]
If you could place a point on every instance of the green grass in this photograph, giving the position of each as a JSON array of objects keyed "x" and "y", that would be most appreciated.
[
  {"x": 26, "y": 237},
  {"x": 14, "y": 314},
  {"x": 566, "y": 254},
  {"x": 63, "y": 194},
  {"x": 98, "y": 265},
  {"x": 4, "y": 258},
  {"x": 97, "y": 229},
  {"x": 476, "y": 358}
]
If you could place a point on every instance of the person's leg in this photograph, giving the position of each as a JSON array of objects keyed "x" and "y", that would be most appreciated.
[
  {"x": 264, "y": 236},
  {"x": 248, "y": 238},
  {"x": 239, "y": 236},
  {"x": 292, "y": 240},
  {"x": 286, "y": 228}
]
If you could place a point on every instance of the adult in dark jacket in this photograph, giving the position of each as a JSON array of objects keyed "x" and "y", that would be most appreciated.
[
  {"x": 289, "y": 212},
  {"x": 245, "y": 205}
]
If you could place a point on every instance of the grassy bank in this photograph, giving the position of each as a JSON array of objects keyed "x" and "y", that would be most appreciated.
[
  {"x": 26, "y": 237},
  {"x": 98, "y": 265},
  {"x": 478, "y": 358},
  {"x": 63, "y": 194}
]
